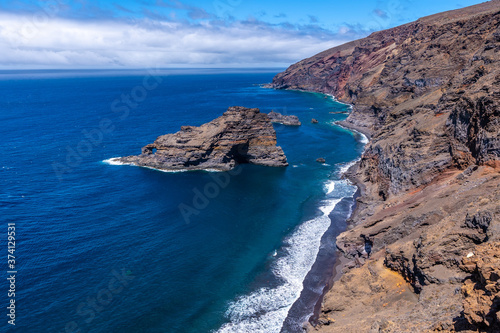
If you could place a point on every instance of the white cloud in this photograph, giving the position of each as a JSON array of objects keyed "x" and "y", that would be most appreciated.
[{"x": 62, "y": 43}]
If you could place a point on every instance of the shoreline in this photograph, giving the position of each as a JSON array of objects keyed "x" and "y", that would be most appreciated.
[
  {"x": 347, "y": 125},
  {"x": 319, "y": 275},
  {"x": 341, "y": 261},
  {"x": 336, "y": 271}
]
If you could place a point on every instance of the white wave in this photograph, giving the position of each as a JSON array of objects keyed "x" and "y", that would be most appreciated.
[
  {"x": 336, "y": 100},
  {"x": 343, "y": 168},
  {"x": 330, "y": 187},
  {"x": 329, "y": 207},
  {"x": 211, "y": 170},
  {"x": 265, "y": 310},
  {"x": 364, "y": 138},
  {"x": 167, "y": 171},
  {"x": 115, "y": 161}
]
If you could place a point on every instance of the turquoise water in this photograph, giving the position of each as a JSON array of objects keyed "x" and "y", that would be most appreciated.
[{"x": 105, "y": 248}]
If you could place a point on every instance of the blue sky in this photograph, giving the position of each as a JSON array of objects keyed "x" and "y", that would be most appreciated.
[{"x": 208, "y": 33}]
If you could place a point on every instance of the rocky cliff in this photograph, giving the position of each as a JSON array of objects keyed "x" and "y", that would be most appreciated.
[
  {"x": 428, "y": 95},
  {"x": 241, "y": 135}
]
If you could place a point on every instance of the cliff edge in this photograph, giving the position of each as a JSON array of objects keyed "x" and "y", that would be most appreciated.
[{"x": 428, "y": 95}]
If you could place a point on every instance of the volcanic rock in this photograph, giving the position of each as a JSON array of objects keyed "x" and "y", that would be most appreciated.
[
  {"x": 482, "y": 289},
  {"x": 284, "y": 119},
  {"x": 428, "y": 95},
  {"x": 241, "y": 135}
]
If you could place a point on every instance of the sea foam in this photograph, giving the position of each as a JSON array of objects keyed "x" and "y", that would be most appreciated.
[
  {"x": 363, "y": 138},
  {"x": 344, "y": 167},
  {"x": 115, "y": 161},
  {"x": 265, "y": 309},
  {"x": 330, "y": 187}
]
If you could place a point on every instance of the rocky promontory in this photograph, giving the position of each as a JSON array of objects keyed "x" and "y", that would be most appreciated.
[
  {"x": 422, "y": 245},
  {"x": 241, "y": 135},
  {"x": 279, "y": 118}
]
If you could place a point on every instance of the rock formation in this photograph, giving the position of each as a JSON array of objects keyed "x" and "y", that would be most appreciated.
[
  {"x": 482, "y": 289},
  {"x": 283, "y": 119},
  {"x": 241, "y": 135},
  {"x": 428, "y": 95}
]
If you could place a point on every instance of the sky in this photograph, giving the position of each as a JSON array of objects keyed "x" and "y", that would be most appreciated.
[{"x": 112, "y": 34}]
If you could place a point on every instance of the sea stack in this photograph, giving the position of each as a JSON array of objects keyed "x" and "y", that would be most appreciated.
[
  {"x": 241, "y": 135},
  {"x": 279, "y": 118}
]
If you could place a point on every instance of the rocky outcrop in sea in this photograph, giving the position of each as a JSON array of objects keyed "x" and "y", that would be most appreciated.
[
  {"x": 428, "y": 95},
  {"x": 278, "y": 118},
  {"x": 241, "y": 135}
]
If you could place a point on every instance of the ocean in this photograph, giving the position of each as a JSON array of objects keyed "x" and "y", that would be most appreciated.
[{"x": 106, "y": 248}]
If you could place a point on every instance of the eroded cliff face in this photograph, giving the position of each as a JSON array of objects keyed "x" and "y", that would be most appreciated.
[
  {"x": 241, "y": 135},
  {"x": 428, "y": 95},
  {"x": 420, "y": 90},
  {"x": 481, "y": 289}
]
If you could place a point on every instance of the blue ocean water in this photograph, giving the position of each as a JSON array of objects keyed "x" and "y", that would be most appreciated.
[{"x": 105, "y": 248}]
